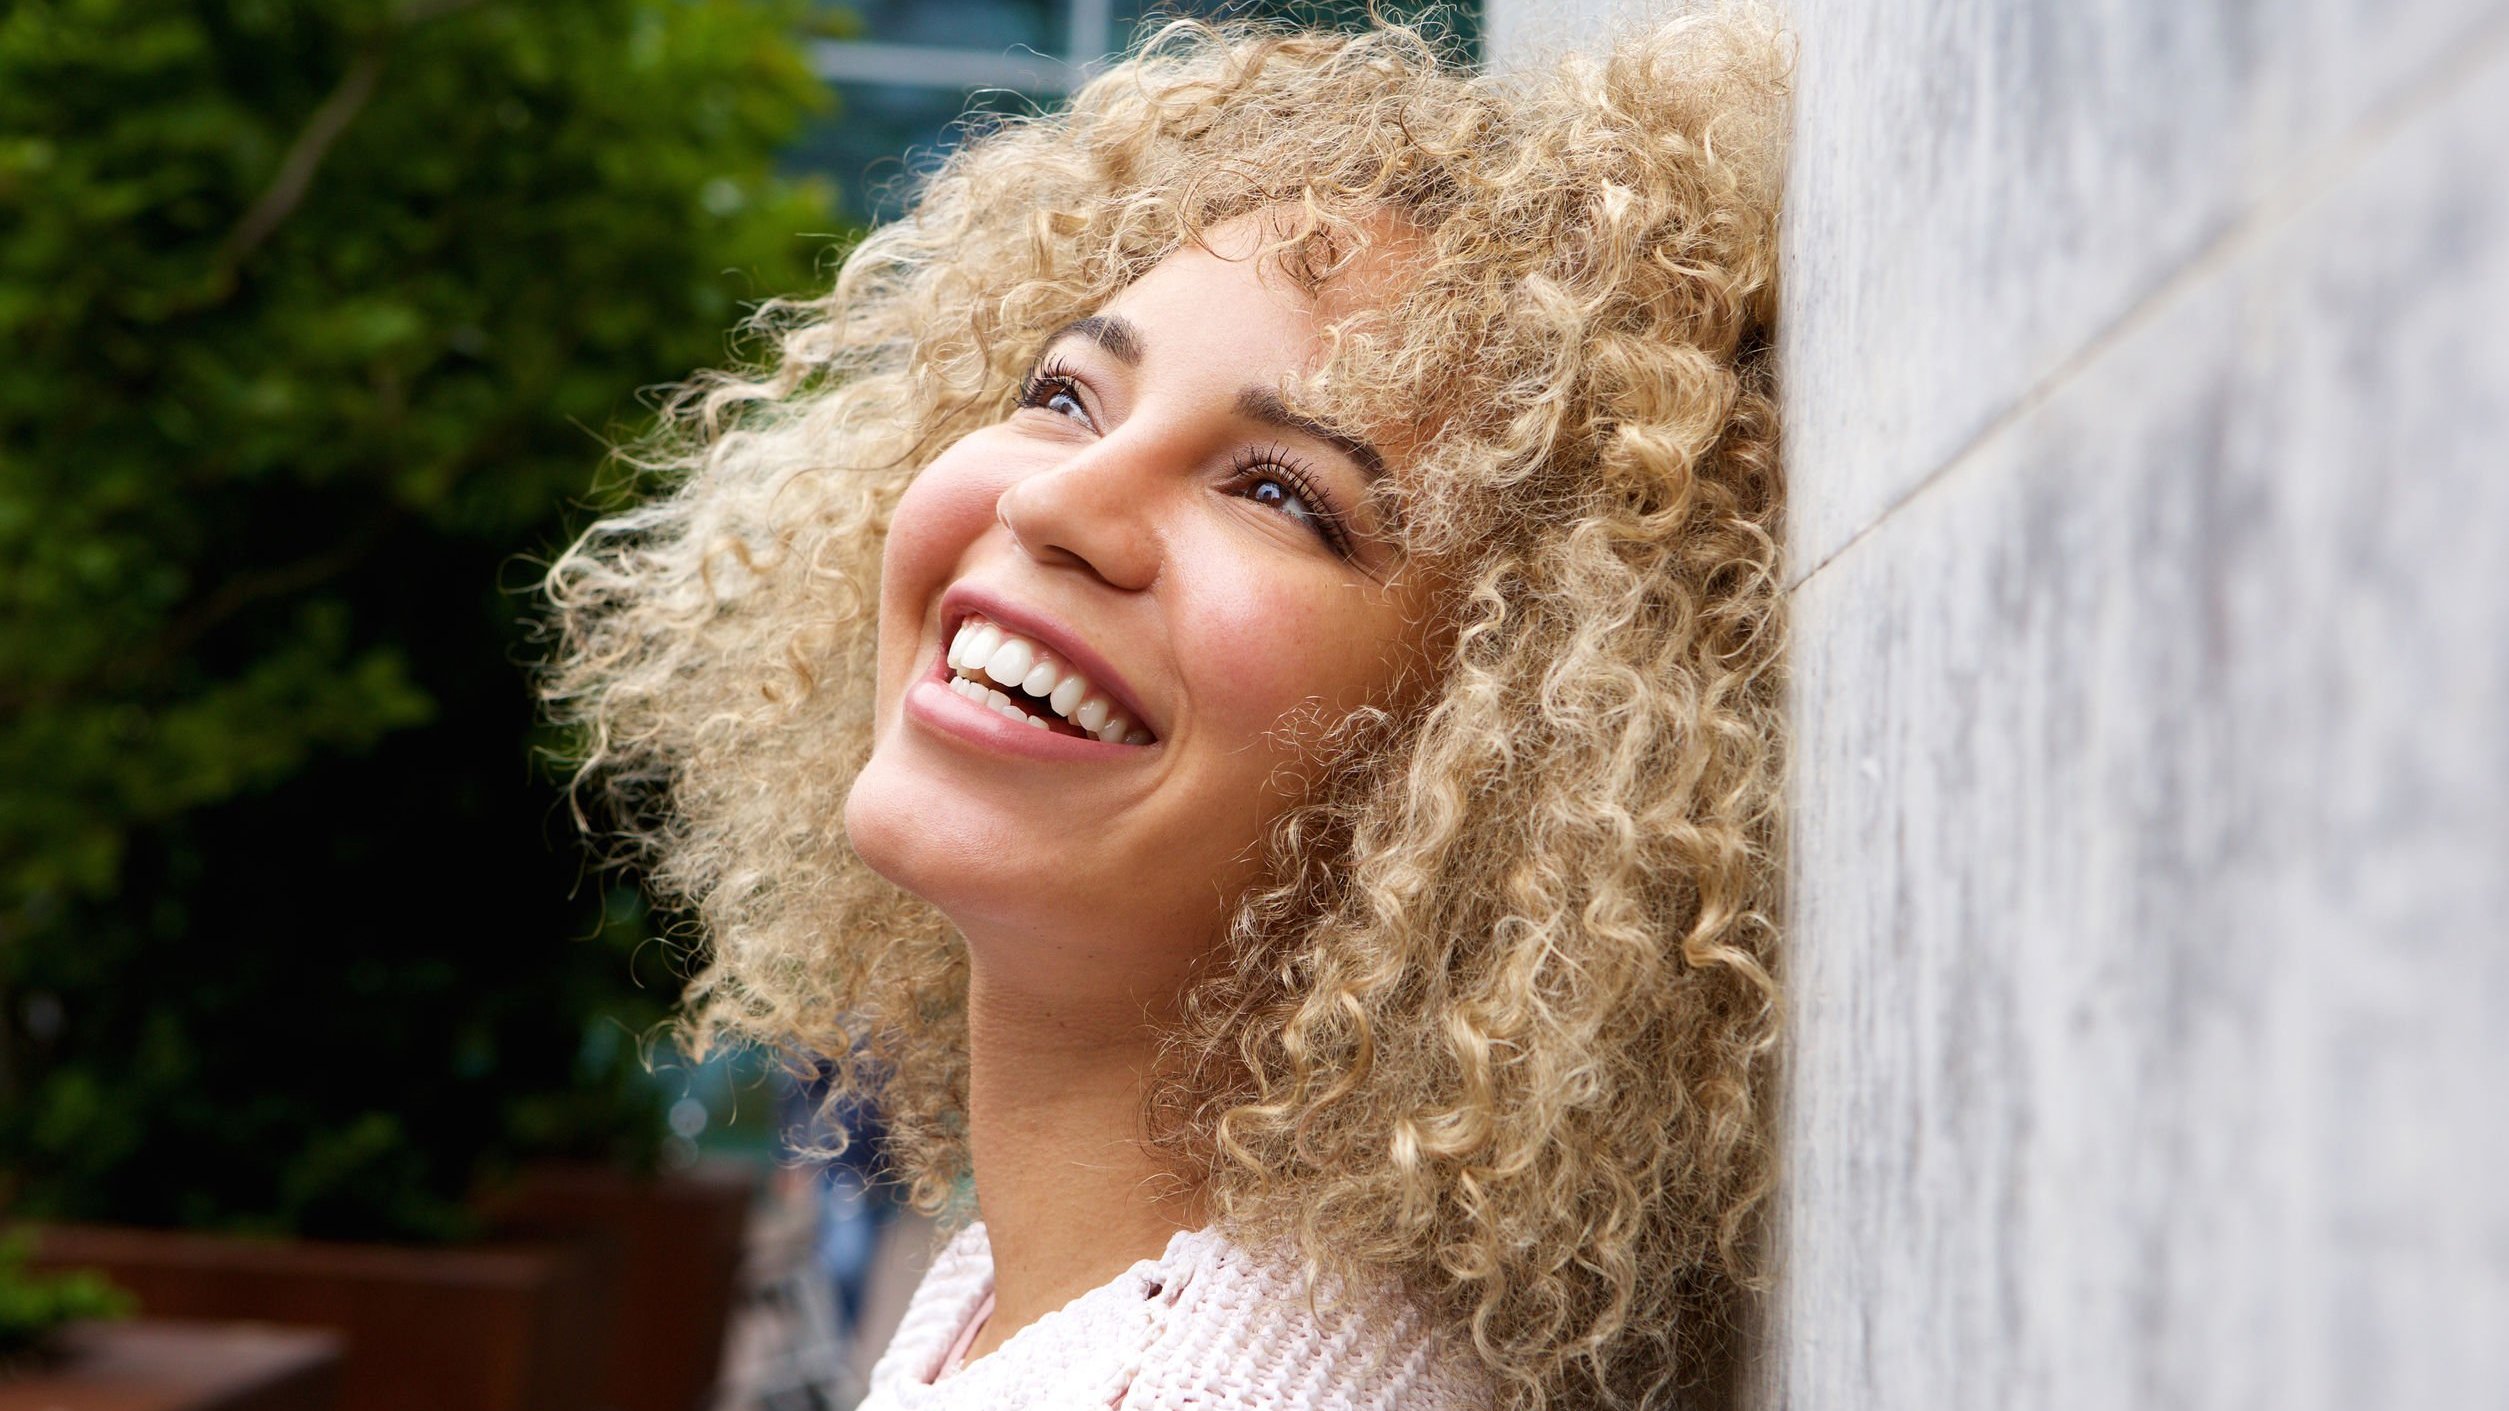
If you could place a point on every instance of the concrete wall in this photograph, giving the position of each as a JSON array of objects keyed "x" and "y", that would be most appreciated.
[{"x": 2148, "y": 400}]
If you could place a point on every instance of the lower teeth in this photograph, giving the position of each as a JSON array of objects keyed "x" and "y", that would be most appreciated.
[{"x": 984, "y": 696}]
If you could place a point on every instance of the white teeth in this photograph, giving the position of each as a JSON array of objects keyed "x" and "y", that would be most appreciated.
[
  {"x": 1067, "y": 693},
  {"x": 995, "y": 700},
  {"x": 1009, "y": 662},
  {"x": 981, "y": 646},
  {"x": 982, "y": 656}
]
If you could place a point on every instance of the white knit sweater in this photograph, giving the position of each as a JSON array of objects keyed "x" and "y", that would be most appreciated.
[{"x": 1206, "y": 1326}]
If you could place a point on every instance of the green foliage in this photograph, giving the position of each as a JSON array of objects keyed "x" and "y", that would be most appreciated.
[
  {"x": 315, "y": 315},
  {"x": 32, "y": 1304}
]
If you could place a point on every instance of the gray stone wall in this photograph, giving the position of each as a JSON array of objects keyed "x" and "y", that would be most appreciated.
[{"x": 2148, "y": 410}]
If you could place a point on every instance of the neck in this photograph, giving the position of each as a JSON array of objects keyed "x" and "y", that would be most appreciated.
[{"x": 1070, "y": 1198}]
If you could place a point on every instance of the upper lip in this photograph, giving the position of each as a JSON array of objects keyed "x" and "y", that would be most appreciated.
[{"x": 1035, "y": 625}]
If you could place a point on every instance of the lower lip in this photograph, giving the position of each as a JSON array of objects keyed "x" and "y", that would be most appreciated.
[{"x": 932, "y": 703}]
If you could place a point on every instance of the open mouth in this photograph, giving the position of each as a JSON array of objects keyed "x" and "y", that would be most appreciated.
[{"x": 1025, "y": 681}]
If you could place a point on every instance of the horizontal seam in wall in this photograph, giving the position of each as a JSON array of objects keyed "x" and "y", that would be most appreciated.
[{"x": 2268, "y": 213}]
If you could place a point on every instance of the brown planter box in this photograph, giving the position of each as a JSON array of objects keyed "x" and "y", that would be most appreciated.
[
  {"x": 467, "y": 1328},
  {"x": 158, "y": 1366},
  {"x": 675, "y": 1244}
]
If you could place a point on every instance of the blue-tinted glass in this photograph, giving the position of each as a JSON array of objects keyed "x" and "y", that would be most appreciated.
[
  {"x": 882, "y": 135},
  {"x": 966, "y": 24}
]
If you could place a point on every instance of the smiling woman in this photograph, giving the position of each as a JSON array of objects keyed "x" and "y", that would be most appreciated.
[
  {"x": 1151, "y": 531},
  {"x": 1275, "y": 570}
]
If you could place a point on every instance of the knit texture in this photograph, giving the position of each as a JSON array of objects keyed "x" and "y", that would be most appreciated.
[{"x": 1206, "y": 1326}]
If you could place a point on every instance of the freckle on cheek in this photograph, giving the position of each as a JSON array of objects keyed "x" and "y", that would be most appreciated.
[{"x": 1270, "y": 660}]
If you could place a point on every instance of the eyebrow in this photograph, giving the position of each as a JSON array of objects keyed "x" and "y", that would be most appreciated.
[
  {"x": 1265, "y": 405},
  {"x": 1120, "y": 336}
]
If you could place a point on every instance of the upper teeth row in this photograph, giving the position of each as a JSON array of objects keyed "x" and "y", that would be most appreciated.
[{"x": 983, "y": 650}]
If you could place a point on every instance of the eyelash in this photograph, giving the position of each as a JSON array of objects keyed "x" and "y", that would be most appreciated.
[
  {"x": 1049, "y": 379},
  {"x": 1055, "y": 379},
  {"x": 1254, "y": 464}
]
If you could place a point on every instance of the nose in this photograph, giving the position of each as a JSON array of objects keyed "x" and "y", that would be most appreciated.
[{"x": 1096, "y": 510}]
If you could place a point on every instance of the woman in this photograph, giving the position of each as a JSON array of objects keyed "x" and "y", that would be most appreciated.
[{"x": 1227, "y": 675}]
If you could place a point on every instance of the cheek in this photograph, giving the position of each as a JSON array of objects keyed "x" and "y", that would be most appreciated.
[
  {"x": 1271, "y": 644},
  {"x": 945, "y": 509},
  {"x": 944, "y": 512}
]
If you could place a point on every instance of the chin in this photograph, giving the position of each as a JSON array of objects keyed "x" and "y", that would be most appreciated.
[{"x": 957, "y": 854}]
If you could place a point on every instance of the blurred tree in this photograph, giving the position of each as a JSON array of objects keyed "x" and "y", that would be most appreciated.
[
  {"x": 313, "y": 314},
  {"x": 33, "y": 1305}
]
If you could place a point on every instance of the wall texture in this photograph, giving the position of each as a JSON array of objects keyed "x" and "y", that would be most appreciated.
[{"x": 2148, "y": 403}]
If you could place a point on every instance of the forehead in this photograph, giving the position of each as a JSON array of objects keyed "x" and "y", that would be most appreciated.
[
  {"x": 1253, "y": 301},
  {"x": 1298, "y": 272},
  {"x": 1228, "y": 304}
]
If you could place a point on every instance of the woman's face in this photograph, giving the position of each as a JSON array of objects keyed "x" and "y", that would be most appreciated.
[{"x": 1109, "y": 623}]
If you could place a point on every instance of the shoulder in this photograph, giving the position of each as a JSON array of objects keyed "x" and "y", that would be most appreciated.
[{"x": 1245, "y": 1328}]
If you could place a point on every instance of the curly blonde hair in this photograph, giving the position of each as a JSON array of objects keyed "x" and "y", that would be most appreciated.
[{"x": 1500, "y": 1016}]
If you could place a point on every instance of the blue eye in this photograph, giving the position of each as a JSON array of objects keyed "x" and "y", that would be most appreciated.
[
  {"x": 1052, "y": 388},
  {"x": 1270, "y": 490},
  {"x": 1266, "y": 477}
]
